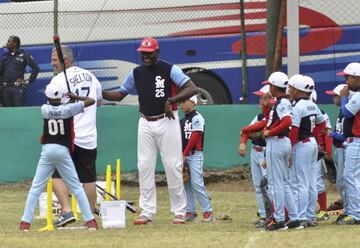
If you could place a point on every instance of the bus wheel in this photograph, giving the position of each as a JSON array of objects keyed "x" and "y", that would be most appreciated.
[{"x": 211, "y": 89}]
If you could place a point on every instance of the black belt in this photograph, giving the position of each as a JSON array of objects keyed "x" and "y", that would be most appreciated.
[
  {"x": 193, "y": 152},
  {"x": 258, "y": 148},
  {"x": 153, "y": 118}
]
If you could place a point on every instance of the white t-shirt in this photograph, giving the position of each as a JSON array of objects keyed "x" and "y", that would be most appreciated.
[{"x": 83, "y": 83}]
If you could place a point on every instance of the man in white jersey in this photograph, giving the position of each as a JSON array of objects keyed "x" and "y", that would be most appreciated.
[{"x": 82, "y": 83}]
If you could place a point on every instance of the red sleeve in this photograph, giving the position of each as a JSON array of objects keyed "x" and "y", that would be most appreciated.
[
  {"x": 266, "y": 112},
  {"x": 257, "y": 126},
  {"x": 283, "y": 125},
  {"x": 243, "y": 139},
  {"x": 328, "y": 144},
  {"x": 319, "y": 128},
  {"x": 194, "y": 138},
  {"x": 294, "y": 135}
]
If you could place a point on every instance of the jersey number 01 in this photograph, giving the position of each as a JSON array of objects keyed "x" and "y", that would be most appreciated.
[{"x": 56, "y": 126}]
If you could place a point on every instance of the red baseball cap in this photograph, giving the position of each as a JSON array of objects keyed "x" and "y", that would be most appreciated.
[
  {"x": 265, "y": 89},
  {"x": 148, "y": 44}
]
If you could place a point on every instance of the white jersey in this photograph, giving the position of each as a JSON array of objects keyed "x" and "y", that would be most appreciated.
[{"x": 83, "y": 83}]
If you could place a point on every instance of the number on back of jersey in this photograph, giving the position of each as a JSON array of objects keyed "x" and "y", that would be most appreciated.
[{"x": 56, "y": 127}]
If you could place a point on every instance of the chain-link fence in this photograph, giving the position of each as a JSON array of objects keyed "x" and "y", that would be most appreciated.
[{"x": 202, "y": 37}]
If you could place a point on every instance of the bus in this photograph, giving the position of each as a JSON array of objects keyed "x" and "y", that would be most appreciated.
[{"x": 202, "y": 37}]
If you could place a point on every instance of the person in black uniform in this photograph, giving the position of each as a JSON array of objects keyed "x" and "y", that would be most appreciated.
[{"x": 12, "y": 70}]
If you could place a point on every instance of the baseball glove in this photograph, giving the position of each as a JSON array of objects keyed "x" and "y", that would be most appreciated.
[
  {"x": 331, "y": 170},
  {"x": 186, "y": 172},
  {"x": 255, "y": 136},
  {"x": 321, "y": 154}
]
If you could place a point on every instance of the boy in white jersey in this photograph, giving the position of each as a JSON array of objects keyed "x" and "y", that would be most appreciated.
[
  {"x": 306, "y": 120},
  {"x": 82, "y": 83}
]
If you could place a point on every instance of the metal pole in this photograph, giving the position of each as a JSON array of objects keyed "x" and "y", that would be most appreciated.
[
  {"x": 244, "y": 98},
  {"x": 56, "y": 5},
  {"x": 293, "y": 47}
]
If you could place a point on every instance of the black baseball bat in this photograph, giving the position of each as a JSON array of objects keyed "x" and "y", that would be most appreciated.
[
  {"x": 128, "y": 205},
  {"x": 57, "y": 45}
]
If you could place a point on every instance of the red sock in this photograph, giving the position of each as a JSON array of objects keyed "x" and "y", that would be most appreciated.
[
  {"x": 286, "y": 214},
  {"x": 322, "y": 201}
]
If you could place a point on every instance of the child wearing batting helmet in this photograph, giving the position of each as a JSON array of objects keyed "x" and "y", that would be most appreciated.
[
  {"x": 57, "y": 142},
  {"x": 307, "y": 122}
]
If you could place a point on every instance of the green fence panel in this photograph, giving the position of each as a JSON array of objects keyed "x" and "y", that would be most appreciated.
[{"x": 117, "y": 137}]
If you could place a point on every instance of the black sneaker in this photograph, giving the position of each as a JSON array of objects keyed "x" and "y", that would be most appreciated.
[
  {"x": 273, "y": 225},
  {"x": 348, "y": 220},
  {"x": 295, "y": 224},
  {"x": 308, "y": 223},
  {"x": 339, "y": 218},
  {"x": 260, "y": 223},
  {"x": 97, "y": 211},
  {"x": 65, "y": 219}
]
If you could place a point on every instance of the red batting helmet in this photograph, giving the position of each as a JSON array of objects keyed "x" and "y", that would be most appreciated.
[{"x": 148, "y": 44}]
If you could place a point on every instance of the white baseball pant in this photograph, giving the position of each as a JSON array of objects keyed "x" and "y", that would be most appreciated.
[{"x": 163, "y": 135}]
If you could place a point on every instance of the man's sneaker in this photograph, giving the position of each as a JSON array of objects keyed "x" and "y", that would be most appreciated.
[
  {"x": 24, "y": 226},
  {"x": 273, "y": 225},
  {"x": 295, "y": 224},
  {"x": 142, "y": 220},
  {"x": 322, "y": 215},
  {"x": 65, "y": 219},
  {"x": 260, "y": 223},
  {"x": 191, "y": 217},
  {"x": 208, "y": 217},
  {"x": 92, "y": 225},
  {"x": 309, "y": 223},
  {"x": 178, "y": 220},
  {"x": 97, "y": 211},
  {"x": 347, "y": 220}
]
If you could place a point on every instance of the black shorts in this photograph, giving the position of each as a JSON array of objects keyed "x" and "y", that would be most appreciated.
[{"x": 85, "y": 164}]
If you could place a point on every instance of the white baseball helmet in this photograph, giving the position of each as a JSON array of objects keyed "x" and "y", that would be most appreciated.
[
  {"x": 303, "y": 83},
  {"x": 352, "y": 69},
  {"x": 194, "y": 99},
  {"x": 313, "y": 96},
  {"x": 277, "y": 78},
  {"x": 54, "y": 91}
]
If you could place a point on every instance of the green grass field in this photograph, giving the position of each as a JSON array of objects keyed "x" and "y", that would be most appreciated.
[{"x": 235, "y": 199}]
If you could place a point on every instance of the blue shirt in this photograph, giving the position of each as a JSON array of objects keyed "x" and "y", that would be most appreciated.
[
  {"x": 13, "y": 65},
  {"x": 176, "y": 74}
]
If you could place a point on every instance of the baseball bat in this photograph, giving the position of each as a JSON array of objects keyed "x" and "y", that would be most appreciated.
[
  {"x": 128, "y": 205},
  {"x": 57, "y": 45}
]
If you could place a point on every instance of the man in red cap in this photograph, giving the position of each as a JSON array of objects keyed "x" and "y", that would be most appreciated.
[{"x": 160, "y": 86}]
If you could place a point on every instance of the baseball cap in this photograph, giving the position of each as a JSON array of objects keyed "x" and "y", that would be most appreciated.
[
  {"x": 336, "y": 90},
  {"x": 303, "y": 83},
  {"x": 194, "y": 99},
  {"x": 148, "y": 44},
  {"x": 278, "y": 79},
  {"x": 54, "y": 91},
  {"x": 313, "y": 96},
  {"x": 352, "y": 69},
  {"x": 265, "y": 89}
]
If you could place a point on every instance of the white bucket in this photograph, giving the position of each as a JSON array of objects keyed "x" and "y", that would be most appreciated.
[
  {"x": 43, "y": 205},
  {"x": 113, "y": 214},
  {"x": 102, "y": 184}
]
